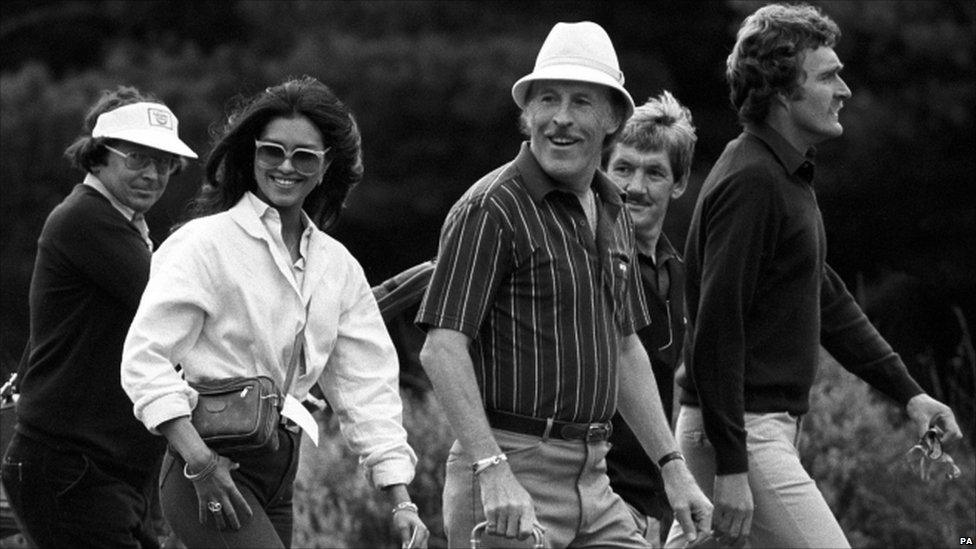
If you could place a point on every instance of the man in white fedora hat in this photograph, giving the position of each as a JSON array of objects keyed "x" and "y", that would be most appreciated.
[
  {"x": 532, "y": 313},
  {"x": 77, "y": 444}
]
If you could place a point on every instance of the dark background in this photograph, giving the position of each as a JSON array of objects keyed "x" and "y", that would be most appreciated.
[{"x": 430, "y": 85}]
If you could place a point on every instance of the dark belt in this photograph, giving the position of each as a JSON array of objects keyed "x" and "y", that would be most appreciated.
[{"x": 590, "y": 432}]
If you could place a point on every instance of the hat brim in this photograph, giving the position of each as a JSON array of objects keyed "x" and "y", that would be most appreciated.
[
  {"x": 574, "y": 73},
  {"x": 155, "y": 139}
]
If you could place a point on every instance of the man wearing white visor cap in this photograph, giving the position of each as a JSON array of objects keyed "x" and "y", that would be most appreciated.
[
  {"x": 531, "y": 316},
  {"x": 80, "y": 468}
]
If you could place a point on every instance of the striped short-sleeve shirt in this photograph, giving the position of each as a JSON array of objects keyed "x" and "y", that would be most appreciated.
[{"x": 545, "y": 301}]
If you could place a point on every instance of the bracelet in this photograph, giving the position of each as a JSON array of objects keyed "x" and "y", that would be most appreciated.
[
  {"x": 406, "y": 506},
  {"x": 204, "y": 473},
  {"x": 669, "y": 457},
  {"x": 482, "y": 464}
]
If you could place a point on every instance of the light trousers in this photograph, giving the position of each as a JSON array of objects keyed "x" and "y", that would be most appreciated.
[
  {"x": 568, "y": 482},
  {"x": 789, "y": 510}
]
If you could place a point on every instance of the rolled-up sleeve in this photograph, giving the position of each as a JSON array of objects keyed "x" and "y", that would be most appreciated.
[
  {"x": 166, "y": 325},
  {"x": 361, "y": 380}
]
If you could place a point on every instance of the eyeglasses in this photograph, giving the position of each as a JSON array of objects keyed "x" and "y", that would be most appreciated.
[
  {"x": 272, "y": 155},
  {"x": 136, "y": 160}
]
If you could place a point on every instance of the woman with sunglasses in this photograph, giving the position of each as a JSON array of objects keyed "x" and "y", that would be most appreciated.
[
  {"x": 80, "y": 470},
  {"x": 238, "y": 290}
]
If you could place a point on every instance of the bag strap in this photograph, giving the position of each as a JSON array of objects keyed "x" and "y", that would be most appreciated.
[{"x": 297, "y": 354}]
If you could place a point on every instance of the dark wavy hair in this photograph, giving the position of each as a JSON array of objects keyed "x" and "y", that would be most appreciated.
[
  {"x": 87, "y": 152},
  {"x": 767, "y": 55},
  {"x": 230, "y": 164}
]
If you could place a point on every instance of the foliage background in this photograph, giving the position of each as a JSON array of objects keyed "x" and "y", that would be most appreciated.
[{"x": 430, "y": 81}]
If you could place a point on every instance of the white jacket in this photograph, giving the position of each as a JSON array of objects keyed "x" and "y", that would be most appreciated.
[{"x": 221, "y": 302}]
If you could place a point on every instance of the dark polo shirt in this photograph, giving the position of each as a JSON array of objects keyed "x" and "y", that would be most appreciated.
[
  {"x": 632, "y": 474},
  {"x": 545, "y": 301},
  {"x": 761, "y": 298}
]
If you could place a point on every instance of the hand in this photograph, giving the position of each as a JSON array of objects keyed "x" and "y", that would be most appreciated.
[
  {"x": 508, "y": 506},
  {"x": 413, "y": 533},
  {"x": 927, "y": 412},
  {"x": 691, "y": 508},
  {"x": 733, "y": 508},
  {"x": 219, "y": 487}
]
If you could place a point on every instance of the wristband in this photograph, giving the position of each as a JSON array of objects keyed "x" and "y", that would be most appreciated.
[
  {"x": 204, "y": 473},
  {"x": 669, "y": 457},
  {"x": 405, "y": 506},
  {"x": 482, "y": 464}
]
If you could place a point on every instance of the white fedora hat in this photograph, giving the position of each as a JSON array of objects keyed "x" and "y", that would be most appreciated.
[
  {"x": 580, "y": 52},
  {"x": 149, "y": 124}
]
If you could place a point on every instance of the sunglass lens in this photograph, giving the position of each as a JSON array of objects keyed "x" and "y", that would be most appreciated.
[
  {"x": 305, "y": 162},
  {"x": 137, "y": 161},
  {"x": 270, "y": 156}
]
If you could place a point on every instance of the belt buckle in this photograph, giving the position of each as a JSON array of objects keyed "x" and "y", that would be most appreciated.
[{"x": 596, "y": 432}]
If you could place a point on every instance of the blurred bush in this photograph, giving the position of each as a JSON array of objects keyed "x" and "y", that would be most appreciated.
[
  {"x": 854, "y": 445},
  {"x": 334, "y": 505}
]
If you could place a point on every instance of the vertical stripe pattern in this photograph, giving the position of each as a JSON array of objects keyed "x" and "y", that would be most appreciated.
[{"x": 544, "y": 300}]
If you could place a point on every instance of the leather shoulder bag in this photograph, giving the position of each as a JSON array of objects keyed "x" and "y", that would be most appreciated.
[{"x": 242, "y": 414}]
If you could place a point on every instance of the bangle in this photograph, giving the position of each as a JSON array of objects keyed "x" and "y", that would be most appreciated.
[
  {"x": 204, "y": 473},
  {"x": 669, "y": 457},
  {"x": 406, "y": 506},
  {"x": 482, "y": 464}
]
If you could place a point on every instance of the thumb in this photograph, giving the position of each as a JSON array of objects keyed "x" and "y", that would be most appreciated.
[{"x": 951, "y": 430}]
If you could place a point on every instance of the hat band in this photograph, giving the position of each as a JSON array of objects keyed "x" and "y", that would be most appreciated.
[{"x": 612, "y": 72}]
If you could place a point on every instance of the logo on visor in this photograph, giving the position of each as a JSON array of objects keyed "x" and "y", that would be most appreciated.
[{"x": 158, "y": 117}]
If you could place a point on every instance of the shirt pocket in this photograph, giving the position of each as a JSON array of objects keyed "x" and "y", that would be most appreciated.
[{"x": 620, "y": 280}]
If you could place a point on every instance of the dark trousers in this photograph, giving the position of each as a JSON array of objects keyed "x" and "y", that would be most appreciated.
[
  {"x": 265, "y": 479},
  {"x": 64, "y": 499}
]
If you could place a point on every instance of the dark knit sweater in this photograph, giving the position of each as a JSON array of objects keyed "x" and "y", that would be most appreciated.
[
  {"x": 761, "y": 298},
  {"x": 92, "y": 266}
]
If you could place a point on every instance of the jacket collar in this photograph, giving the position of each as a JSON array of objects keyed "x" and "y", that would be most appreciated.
[{"x": 247, "y": 214}]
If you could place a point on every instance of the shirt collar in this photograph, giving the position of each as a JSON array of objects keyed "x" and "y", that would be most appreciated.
[
  {"x": 97, "y": 184},
  {"x": 539, "y": 184},
  {"x": 263, "y": 210},
  {"x": 793, "y": 160},
  {"x": 664, "y": 251}
]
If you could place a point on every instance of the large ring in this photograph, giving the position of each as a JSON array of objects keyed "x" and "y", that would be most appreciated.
[{"x": 214, "y": 506}]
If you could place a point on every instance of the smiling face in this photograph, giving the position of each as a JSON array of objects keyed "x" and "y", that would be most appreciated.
[
  {"x": 282, "y": 186},
  {"x": 648, "y": 180},
  {"x": 567, "y": 123},
  {"x": 137, "y": 189},
  {"x": 814, "y": 110}
]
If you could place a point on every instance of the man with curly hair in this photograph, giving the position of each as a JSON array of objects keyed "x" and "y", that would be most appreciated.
[{"x": 761, "y": 299}]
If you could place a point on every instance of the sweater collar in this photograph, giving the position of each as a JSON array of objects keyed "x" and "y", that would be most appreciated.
[{"x": 795, "y": 162}]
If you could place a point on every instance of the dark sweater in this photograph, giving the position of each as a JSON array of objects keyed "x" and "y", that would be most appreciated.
[
  {"x": 92, "y": 266},
  {"x": 761, "y": 298}
]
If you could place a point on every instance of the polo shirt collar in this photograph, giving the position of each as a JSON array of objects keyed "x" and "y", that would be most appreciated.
[
  {"x": 793, "y": 160},
  {"x": 538, "y": 183},
  {"x": 664, "y": 251},
  {"x": 97, "y": 184}
]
